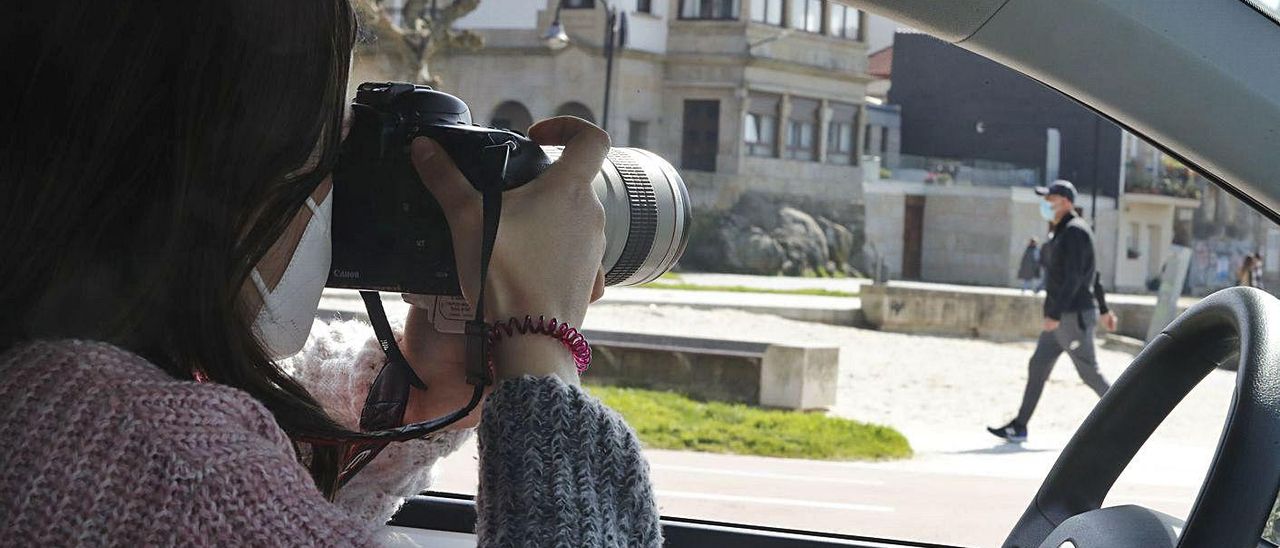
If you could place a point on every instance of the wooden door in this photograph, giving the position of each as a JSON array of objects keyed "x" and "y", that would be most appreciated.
[
  {"x": 912, "y": 237},
  {"x": 701, "y": 135}
]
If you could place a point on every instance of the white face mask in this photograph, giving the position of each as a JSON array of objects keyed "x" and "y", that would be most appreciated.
[{"x": 288, "y": 311}]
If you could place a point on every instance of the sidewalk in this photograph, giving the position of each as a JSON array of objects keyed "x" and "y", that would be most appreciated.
[
  {"x": 809, "y": 308},
  {"x": 829, "y": 310},
  {"x": 776, "y": 283}
]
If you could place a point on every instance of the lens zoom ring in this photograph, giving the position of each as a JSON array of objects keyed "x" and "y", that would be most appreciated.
[{"x": 644, "y": 218}]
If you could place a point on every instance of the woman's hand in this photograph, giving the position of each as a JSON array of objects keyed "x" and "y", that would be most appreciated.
[
  {"x": 440, "y": 361},
  {"x": 546, "y": 259}
]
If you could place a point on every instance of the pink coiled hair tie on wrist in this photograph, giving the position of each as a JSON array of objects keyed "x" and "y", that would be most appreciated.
[{"x": 571, "y": 338}]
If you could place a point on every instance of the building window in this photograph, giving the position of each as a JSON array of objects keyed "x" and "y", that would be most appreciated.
[
  {"x": 574, "y": 108},
  {"x": 840, "y": 132},
  {"x": 802, "y": 128},
  {"x": 700, "y": 139},
  {"x": 767, "y": 11},
  {"x": 844, "y": 22},
  {"x": 644, "y": 6},
  {"x": 580, "y": 4},
  {"x": 511, "y": 115},
  {"x": 866, "y": 139},
  {"x": 806, "y": 15},
  {"x": 638, "y": 134},
  {"x": 758, "y": 133},
  {"x": 708, "y": 9},
  {"x": 1133, "y": 243},
  {"x": 760, "y": 125},
  {"x": 884, "y": 141}
]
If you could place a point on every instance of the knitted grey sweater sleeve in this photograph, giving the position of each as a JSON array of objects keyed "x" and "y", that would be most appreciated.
[{"x": 558, "y": 468}]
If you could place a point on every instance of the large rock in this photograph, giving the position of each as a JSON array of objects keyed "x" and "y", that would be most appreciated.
[
  {"x": 840, "y": 243},
  {"x": 723, "y": 242},
  {"x": 803, "y": 240},
  {"x": 754, "y": 251},
  {"x": 765, "y": 234}
]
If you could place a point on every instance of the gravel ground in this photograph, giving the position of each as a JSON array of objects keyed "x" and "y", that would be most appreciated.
[{"x": 923, "y": 383}]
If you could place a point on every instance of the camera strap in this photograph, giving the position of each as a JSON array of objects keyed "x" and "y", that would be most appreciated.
[
  {"x": 384, "y": 408},
  {"x": 493, "y": 157}
]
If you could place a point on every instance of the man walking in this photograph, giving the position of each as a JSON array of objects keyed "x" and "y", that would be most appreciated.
[{"x": 1070, "y": 312}]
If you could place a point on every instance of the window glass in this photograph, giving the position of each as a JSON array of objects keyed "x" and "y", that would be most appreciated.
[
  {"x": 801, "y": 128},
  {"x": 843, "y": 21},
  {"x": 806, "y": 15},
  {"x": 644, "y": 6},
  {"x": 760, "y": 125},
  {"x": 881, "y": 217},
  {"x": 709, "y": 9},
  {"x": 767, "y": 11},
  {"x": 840, "y": 132}
]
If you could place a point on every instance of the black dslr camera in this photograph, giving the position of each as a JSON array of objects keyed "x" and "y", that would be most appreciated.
[{"x": 389, "y": 233}]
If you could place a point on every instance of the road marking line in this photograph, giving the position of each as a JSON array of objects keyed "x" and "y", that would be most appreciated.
[
  {"x": 770, "y": 500},
  {"x": 762, "y": 475}
]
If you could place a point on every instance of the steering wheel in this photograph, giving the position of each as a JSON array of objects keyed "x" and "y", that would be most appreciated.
[{"x": 1236, "y": 497}]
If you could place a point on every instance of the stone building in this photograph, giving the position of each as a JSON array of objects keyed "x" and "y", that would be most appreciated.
[
  {"x": 975, "y": 136},
  {"x": 758, "y": 102}
]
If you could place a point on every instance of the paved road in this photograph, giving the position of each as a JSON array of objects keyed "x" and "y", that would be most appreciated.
[
  {"x": 964, "y": 498},
  {"x": 961, "y": 488}
]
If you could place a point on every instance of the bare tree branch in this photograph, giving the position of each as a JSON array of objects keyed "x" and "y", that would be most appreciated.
[{"x": 409, "y": 48}]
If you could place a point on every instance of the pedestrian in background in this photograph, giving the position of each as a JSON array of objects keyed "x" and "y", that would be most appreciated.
[
  {"x": 1029, "y": 266},
  {"x": 1070, "y": 307},
  {"x": 1257, "y": 271},
  {"x": 1250, "y": 273}
]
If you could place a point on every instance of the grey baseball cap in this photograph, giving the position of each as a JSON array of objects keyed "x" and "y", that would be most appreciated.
[{"x": 1061, "y": 187}]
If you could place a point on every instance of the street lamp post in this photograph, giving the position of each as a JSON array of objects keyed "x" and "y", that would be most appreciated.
[{"x": 615, "y": 38}]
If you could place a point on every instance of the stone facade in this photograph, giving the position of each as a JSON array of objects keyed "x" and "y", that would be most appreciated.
[{"x": 670, "y": 62}]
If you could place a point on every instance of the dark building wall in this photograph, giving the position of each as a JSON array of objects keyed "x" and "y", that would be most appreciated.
[{"x": 945, "y": 91}]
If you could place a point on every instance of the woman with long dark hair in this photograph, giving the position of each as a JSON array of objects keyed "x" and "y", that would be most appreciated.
[{"x": 164, "y": 204}]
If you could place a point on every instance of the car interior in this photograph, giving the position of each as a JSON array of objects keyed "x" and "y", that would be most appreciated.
[{"x": 1201, "y": 80}]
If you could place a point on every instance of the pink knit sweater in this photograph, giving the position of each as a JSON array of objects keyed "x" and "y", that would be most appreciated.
[{"x": 100, "y": 447}]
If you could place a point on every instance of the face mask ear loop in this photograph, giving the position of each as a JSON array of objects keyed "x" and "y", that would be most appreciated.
[{"x": 260, "y": 284}]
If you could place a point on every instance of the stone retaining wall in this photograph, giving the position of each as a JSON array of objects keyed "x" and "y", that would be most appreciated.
[{"x": 992, "y": 315}]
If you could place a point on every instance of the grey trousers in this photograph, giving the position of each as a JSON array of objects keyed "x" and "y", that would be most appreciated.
[{"x": 1074, "y": 335}]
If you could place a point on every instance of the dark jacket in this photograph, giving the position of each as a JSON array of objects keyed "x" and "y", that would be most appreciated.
[
  {"x": 1029, "y": 268},
  {"x": 1072, "y": 271}
]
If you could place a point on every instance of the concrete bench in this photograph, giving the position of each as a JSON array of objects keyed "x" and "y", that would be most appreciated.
[
  {"x": 792, "y": 376},
  {"x": 988, "y": 313}
]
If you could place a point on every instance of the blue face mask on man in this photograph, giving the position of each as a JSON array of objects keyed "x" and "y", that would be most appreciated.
[{"x": 1046, "y": 211}]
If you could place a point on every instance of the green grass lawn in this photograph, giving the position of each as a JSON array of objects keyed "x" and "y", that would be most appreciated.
[
  {"x": 745, "y": 289},
  {"x": 666, "y": 420}
]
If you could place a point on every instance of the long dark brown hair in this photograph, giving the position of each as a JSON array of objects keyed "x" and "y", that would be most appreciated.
[{"x": 149, "y": 158}]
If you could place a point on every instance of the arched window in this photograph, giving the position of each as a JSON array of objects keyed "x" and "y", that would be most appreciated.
[
  {"x": 574, "y": 108},
  {"x": 511, "y": 115}
]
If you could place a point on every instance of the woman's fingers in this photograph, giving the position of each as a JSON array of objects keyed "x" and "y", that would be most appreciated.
[
  {"x": 442, "y": 178},
  {"x": 597, "y": 290},
  {"x": 585, "y": 147}
]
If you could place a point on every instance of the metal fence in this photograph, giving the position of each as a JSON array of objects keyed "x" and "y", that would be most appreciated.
[{"x": 970, "y": 171}]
